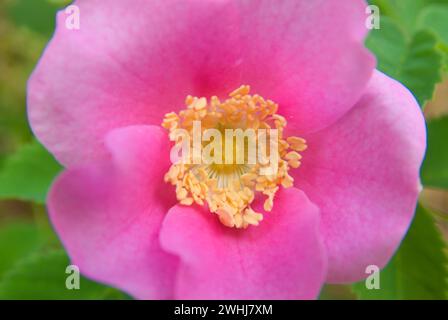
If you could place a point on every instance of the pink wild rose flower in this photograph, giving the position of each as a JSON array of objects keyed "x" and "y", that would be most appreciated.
[{"x": 105, "y": 98}]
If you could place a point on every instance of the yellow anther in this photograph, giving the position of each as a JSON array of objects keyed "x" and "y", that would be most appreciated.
[
  {"x": 297, "y": 144},
  {"x": 287, "y": 181},
  {"x": 189, "y": 100},
  {"x": 252, "y": 217},
  {"x": 293, "y": 156},
  {"x": 241, "y": 91},
  {"x": 238, "y": 218},
  {"x": 186, "y": 201},
  {"x": 181, "y": 193},
  {"x": 226, "y": 216},
  {"x": 199, "y": 104}
]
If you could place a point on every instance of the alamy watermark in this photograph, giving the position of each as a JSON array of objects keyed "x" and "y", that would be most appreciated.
[
  {"x": 373, "y": 20},
  {"x": 72, "y": 282},
  {"x": 373, "y": 280},
  {"x": 73, "y": 17}
]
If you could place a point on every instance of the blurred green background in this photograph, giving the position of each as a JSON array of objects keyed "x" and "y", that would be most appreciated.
[{"x": 411, "y": 46}]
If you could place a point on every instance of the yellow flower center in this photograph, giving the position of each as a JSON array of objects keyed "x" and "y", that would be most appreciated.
[{"x": 223, "y": 173}]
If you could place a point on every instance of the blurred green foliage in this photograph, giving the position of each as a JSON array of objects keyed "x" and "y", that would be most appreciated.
[
  {"x": 17, "y": 240},
  {"x": 411, "y": 46},
  {"x": 416, "y": 62},
  {"x": 418, "y": 269},
  {"x": 28, "y": 173},
  {"x": 42, "y": 275},
  {"x": 435, "y": 167},
  {"x": 23, "y": 13}
]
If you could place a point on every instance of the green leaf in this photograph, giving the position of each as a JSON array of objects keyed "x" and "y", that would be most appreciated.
[
  {"x": 435, "y": 18},
  {"x": 418, "y": 269},
  {"x": 435, "y": 167},
  {"x": 421, "y": 67},
  {"x": 28, "y": 173},
  {"x": 416, "y": 63},
  {"x": 337, "y": 292},
  {"x": 404, "y": 12},
  {"x": 17, "y": 239},
  {"x": 37, "y": 15},
  {"x": 46, "y": 231},
  {"x": 43, "y": 276},
  {"x": 388, "y": 44}
]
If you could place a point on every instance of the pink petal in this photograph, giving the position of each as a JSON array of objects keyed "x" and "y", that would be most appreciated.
[
  {"x": 308, "y": 56},
  {"x": 108, "y": 215},
  {"x": 363, "y": 173},
  {"x": 282, "y": 258},
  {"x": 129, "y": 63}
]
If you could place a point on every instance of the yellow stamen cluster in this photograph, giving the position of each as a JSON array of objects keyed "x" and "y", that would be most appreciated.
[{"x": 229, "y": 190}]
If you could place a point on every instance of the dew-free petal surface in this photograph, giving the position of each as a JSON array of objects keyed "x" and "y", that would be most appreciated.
[
  {"x": 282, "y": 258},
  {"x": 108, "y": 216},
  {"x": 363, "y": 173}
]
